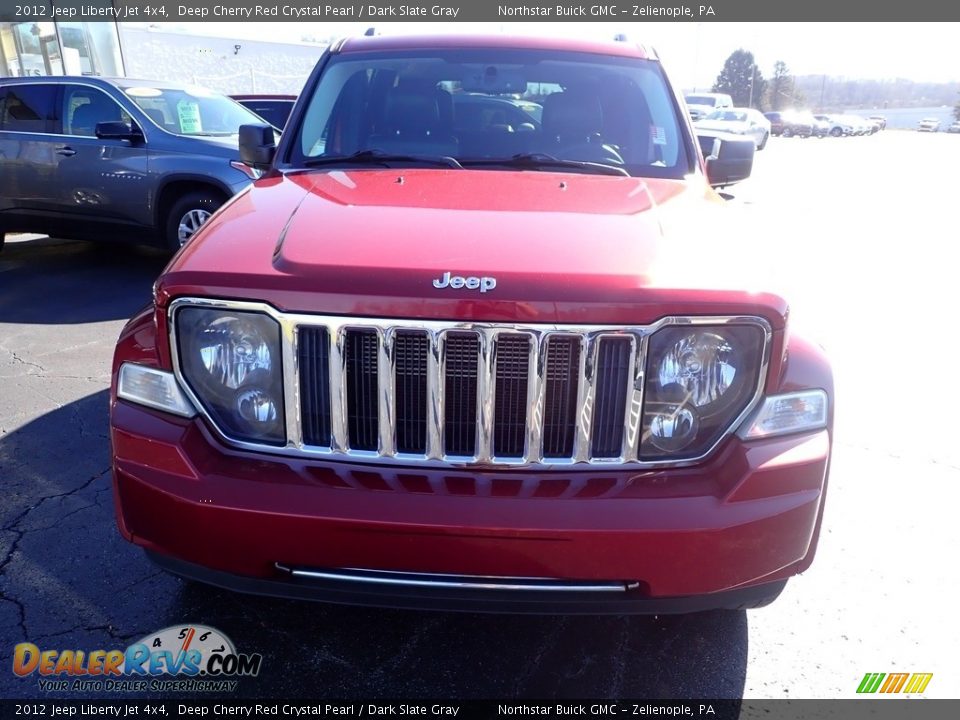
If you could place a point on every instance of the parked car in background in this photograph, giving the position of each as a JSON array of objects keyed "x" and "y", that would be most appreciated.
[
  {"x": 790, "y": 123},
  {"x": 954, "y": 127},
  {"x": 739, "y": 121},
  {"x": 929, "y": 125},
  {"x": 865, "y": 126},
  {"x": 275, "y": 109},
  {"x": 837, "y": 125},
  {"x": 116, "y": 159},
  {"x": 401, "y": 372},
  {"x": 821, "y": 128},
  {"x": 700, "y": 105}
]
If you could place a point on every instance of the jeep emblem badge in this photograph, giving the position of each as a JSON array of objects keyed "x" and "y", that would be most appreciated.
[{"x": 484, "y": 284}]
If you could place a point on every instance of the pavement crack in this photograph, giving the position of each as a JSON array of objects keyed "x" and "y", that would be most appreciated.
[
  {"x": 11, "y": 526},
  {"x": 20, "y": 361},
  {"x": 105, "y": 628},
  {"x": 21, "y": 612}
]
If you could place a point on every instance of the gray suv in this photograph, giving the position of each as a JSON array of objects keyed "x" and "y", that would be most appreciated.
[{"x": 116, "y": 159}]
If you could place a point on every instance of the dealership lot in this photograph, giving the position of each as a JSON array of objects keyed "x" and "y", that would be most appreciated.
[{"x": 856, "y": 232}]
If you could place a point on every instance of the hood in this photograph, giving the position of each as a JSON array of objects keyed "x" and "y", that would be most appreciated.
[{"x": 559, "y": 247}]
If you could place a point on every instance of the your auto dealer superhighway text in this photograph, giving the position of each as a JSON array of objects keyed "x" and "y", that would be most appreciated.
[{"x": 321, "y": 11}]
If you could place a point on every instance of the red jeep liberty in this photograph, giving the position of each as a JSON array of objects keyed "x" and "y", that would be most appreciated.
[{"x": 460, "y": 346}]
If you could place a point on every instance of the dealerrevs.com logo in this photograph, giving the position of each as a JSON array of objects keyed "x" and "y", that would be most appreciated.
[{"x": 177, "y": 659}]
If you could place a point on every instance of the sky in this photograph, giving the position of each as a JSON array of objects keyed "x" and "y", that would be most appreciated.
[{"x": 694, "y": 53}]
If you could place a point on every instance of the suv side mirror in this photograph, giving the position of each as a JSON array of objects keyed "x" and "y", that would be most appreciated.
[
  {"x": 729, "y": 157},
  {"x": 258, "y": 145},
  {"x": 118, "y": 130}
]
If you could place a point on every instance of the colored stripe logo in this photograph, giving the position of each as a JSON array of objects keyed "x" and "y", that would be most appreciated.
[{"x": 894, "y": 683}]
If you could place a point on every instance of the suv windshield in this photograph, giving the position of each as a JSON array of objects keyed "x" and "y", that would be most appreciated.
[
  {"x": 710, "y": 100},
  {"x": 727, "y": 115},
  {"x": 191, "y": 111},
  {"x": 531, "y": 109}
]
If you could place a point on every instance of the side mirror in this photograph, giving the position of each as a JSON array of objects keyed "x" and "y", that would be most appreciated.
[
  {"x": 729, "y": 157},
  {"x": 258, "y": 145},
  {"x": 118, "y": 130}
]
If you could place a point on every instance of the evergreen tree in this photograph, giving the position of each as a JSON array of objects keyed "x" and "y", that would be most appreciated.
[{"x": 741, "y": 79}]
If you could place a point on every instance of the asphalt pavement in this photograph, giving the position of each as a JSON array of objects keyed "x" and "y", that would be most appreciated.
[{"x": 859, "y": 233}]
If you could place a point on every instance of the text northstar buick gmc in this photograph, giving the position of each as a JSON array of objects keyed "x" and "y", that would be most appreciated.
[{"x": 465, "y": 344}]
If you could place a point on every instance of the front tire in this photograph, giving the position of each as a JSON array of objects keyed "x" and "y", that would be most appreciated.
[
  {"x": 187, "y": 215},
  {"x": 787, "y": 132},
  {"x": 763, "y": 142}
]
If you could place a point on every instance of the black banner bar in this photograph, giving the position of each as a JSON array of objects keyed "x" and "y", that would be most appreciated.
[
  {"x": 876, "y": 708},
  {"x": 499, "y": 11}
]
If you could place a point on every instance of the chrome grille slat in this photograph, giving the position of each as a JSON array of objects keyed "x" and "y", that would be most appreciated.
[
  {"x": 634, "y": 410},
  {"x": 435, "y": 404},
  {"x": 338, "y": 405},
  {"x": 589, "y": 348},
  {"x": 486, "y": 387},
  {"x": 536, "y": 398},
  {"x": 386, "y": 372}
]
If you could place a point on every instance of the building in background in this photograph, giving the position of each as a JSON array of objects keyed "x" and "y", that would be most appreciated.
[
  {"x": 227, "y": 65},
  {"x": 61, "y": 48},
  {"x": 154, "y": 52}
]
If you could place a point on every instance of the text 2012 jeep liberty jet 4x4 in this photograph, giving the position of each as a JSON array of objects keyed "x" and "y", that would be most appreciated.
[{"x": 458, "y": 348}]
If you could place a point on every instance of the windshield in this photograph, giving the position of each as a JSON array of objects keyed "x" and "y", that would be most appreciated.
[
  {"x": 478, "y": 106},
  {"x": 191, "y": 111},
  {"x": 701, "y": 100},
  {"x": 728, "y": 116}
]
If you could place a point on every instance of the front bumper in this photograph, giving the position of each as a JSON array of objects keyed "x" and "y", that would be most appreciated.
[{"x": 715, "y": 535}]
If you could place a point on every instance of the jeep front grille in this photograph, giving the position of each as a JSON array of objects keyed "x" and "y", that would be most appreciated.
[{"x": 473, "y": 393}]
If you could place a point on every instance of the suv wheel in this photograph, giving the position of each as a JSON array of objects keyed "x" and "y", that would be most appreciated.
[
  {"x": 187, "y": 215},
  {"x": 787, "y": 132}
]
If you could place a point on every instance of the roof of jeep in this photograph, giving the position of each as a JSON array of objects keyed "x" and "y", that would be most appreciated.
[{"x": 433, "y": 42}]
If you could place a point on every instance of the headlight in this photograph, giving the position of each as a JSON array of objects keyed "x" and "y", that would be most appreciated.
[
  {"x": 699, "y": 380},
  {"x": 231, "y": 361}
]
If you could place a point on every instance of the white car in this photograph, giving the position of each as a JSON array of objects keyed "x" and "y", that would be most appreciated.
[
  {"x": 929, "y": 125},
  {"x": 702, "y": 104},
  {"x": 738, "y": 121}
]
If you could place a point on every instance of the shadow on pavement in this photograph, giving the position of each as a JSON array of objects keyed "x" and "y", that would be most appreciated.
[
  {"x": 67, "y": 580},
  {"x": 47, "y": 281}
]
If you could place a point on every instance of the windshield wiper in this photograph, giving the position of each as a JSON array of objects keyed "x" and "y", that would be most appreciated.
[
  {"x": 538, "y": 161},
  {"x": 379, "y": 157}
]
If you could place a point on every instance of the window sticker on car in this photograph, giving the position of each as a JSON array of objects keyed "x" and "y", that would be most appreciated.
[
  {"x": 188, "y": 114},
  {"x": 658, "y": 135}
]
